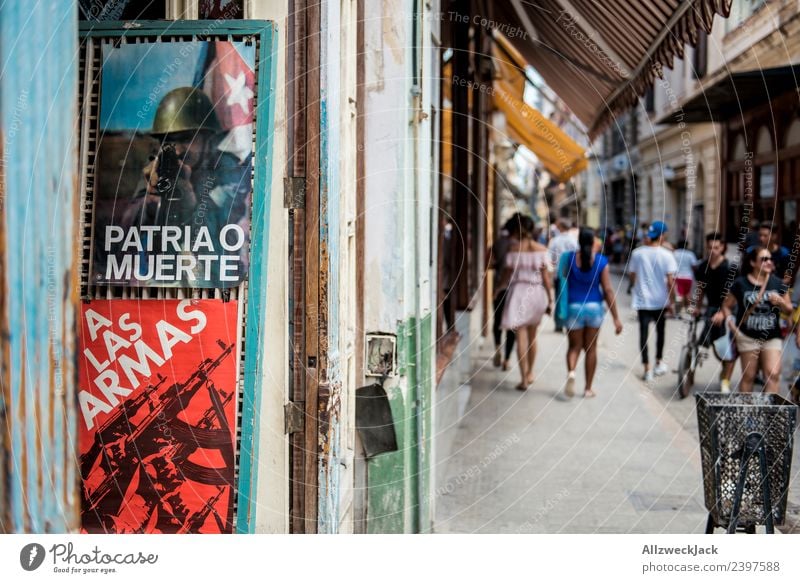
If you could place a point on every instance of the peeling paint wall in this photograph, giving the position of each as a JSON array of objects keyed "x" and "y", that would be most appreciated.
[
  {"x": 338, "y": 150},
  {"x": 38, "y": 266},
  {"x": 387, "y": 118},
  {"x": 401, "y": 191},
  {"x": 347, "y": 275},
  {"x": 386, "y": 309}
]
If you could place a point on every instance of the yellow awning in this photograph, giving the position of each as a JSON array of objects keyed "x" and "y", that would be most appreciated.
[
  {"x": 447, "y": 121},
  {"x": 510, "y": 66},
  {"x": 558, "y": 153}
]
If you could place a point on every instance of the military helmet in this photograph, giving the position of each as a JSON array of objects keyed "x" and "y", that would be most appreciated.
[{"x": 185, "y": 109}]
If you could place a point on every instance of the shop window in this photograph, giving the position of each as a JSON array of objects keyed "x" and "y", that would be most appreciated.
[
  {"x": 105, "y": 10},
  {"x": 766, "y": 173},
  {"x": 650, "y": 99},
  {"x": 618, "y": 201},
  {"x": 739, "y": 150},
  {"x": 221, "y": 9},
  {"x": 793, "y": 134},
  {"x": 697, "y": 239},
  {"x": 701, "y": 55},
  {"x": 618, "y": 132},
  {"x": 740, "y": 11},
  {"x": 789, "y": 222},
  {"x": 764, "y": 141},
  {"x": 766, "y": 181}
]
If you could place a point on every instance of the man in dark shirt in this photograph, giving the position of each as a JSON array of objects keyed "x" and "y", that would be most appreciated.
[
  {"x": 714, "y": 278},
  {"x": 752, "y": 237},
  {"x": 769, "y": 238}
]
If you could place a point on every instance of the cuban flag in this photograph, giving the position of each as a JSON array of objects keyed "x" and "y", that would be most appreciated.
[{"x": 229, "y": 80}]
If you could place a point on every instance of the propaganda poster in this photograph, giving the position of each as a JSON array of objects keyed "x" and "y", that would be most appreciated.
[
  {"x": 174, "y": 164},
  {"x": 157, "y": 398}
]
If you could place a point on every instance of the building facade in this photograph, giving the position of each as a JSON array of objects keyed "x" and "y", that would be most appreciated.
[
  {"x": 618, "y": 162},
  {"x": 718, "y": 142}
]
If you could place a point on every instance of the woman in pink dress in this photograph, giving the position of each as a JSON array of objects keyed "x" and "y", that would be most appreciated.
[{"x": 528, "y": 297}]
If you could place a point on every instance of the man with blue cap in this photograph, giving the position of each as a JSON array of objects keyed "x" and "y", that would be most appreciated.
[{"x": 652, "y": 271}]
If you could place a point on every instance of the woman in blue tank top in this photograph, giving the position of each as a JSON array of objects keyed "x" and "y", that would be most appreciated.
[{"x": 588, "y": 285}]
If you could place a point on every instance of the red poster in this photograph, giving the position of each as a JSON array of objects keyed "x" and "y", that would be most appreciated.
[{"x": 157, "y": 395}]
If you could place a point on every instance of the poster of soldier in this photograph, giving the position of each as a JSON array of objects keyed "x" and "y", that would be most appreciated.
[
  {"x": 174, "y": 165},
  {"x": 157, "y": 416}
]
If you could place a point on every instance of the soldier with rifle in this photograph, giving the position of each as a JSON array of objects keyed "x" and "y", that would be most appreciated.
[{"x": 191, "y": 182}]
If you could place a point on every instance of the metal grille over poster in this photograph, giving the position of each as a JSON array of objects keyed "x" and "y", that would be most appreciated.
[
  {"x": 157, "y": 399},
  {"x": 174, "y": 164}
]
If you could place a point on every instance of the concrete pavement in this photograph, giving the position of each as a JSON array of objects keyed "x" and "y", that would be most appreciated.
[{"x": 536, "y": 462}]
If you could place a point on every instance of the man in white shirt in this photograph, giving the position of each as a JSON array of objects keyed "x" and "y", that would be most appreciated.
[
  {"x": 652, "y": 271},
  {"x": 684, "y": 278},
  {"x": 564, "y": 242}
]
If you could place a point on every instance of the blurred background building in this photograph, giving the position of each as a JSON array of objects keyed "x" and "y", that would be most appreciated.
[{"x": 719, "y": 132}]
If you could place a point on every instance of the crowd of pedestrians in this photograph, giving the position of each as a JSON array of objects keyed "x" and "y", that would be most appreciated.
[
  {"x": 568, "y": 279},
  {"x": 743, "y": 302},
  {"x": 748, "y": 309}
]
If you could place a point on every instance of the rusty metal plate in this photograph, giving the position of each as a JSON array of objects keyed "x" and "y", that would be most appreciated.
[{"x": 374, "y": 420}]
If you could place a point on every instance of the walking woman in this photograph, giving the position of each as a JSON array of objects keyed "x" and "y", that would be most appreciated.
[
  {"x": 496, "y": 260},
  {"x": 588, "y": 286},
  {"x": 528, "y": 295},
  {"x": 760, "y": 297}
]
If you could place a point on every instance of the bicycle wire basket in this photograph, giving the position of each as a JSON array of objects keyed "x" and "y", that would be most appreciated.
[{"x": 730, "y": 425}]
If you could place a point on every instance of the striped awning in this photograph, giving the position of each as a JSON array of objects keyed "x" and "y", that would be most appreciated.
[{"x": 599, "y": 57}]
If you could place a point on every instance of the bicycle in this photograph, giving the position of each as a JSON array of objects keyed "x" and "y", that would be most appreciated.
[{"x": 692, "y": 357}]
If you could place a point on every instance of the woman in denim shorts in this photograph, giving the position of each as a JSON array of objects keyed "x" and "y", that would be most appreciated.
[{"x": 588, "y": 285}]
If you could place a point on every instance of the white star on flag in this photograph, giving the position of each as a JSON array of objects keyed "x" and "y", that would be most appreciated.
[{"x": 239, "y": 93}]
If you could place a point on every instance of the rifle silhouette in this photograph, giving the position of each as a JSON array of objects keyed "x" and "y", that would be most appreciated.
[
  {"x": 180, "y": 450},
  {"x": 196, "y": 520},
  {"x": 177, "y": 453},
  {"x": 116, "y": 425},
  {"x": 173, "y": 400}
]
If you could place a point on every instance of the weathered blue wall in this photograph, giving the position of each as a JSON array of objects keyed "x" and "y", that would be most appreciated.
[{"x": 38, "y": 265}]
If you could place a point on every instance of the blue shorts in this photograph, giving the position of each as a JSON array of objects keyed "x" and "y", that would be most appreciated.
[{"x": 588, "y": 315}]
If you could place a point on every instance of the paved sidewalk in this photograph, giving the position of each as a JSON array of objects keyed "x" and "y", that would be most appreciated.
[{"x": 535, "y": 462}]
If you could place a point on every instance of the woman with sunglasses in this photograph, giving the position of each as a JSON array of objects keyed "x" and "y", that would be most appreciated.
[{"x": 759, "y": 297}]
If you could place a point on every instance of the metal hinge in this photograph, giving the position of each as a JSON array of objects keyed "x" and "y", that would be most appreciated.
[
  {"x": 294, "y": 417},
  {"x": 294, "y": 192}
]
